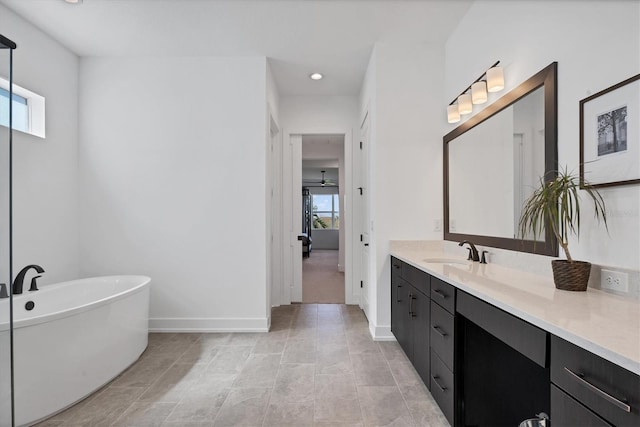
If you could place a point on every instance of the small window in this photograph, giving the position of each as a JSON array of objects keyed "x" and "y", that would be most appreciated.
[
  {"x": 326, "y": 211},
  {"x": 28, "y": 109},
  {"x": 20, "y": 111}
]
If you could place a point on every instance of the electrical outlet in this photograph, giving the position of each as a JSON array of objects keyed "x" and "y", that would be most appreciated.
[
  {"x": 617, "y": 281},
  {"x": 437, "y": 225},
  {"x": 452, "y": 225}
]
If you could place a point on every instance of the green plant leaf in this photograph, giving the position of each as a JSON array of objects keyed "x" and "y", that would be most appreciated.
[{"x": 556, "y": 203}]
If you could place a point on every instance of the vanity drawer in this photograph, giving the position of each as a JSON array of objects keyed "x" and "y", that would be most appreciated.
[
  {"x": 529, "y": 340},
  {"x": 444, "y": 294},
  {"x": 442, "y": 386},
  {"x": 417, "y": 278},
  {"x": 607, "y": 389},
  {"x": 567, "y": 412},
  {"x": 442, "y": 328},
  {"x": 396, "y": 268}
]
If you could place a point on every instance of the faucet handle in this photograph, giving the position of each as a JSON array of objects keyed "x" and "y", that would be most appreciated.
[
  {"x": 3, "y": 290},
  {"x": 34, "y": 285},
  {"x": 483, "y": 260},
  {"x": 469, "y": 258}
]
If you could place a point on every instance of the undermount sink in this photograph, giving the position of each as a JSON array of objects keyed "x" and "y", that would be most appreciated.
[{"x": 449, "y": 261}]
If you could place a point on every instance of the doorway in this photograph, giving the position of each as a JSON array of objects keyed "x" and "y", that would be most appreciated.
[{"x": 323, "y": 279}]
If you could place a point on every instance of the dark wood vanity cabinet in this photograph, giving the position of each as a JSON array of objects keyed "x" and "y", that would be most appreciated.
[
  {"x": 410, "y": 314},
  {"x": 591, "y": 388},
  {"x": 487, "y": 367}
]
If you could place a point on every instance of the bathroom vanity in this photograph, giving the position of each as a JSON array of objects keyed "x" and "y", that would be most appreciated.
[{"x": 496, "y": 346}]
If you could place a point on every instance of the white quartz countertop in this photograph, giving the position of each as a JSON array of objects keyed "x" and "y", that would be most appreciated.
[{"x": 605, "y": 324}]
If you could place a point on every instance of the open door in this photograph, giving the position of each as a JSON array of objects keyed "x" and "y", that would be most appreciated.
[{"x": 292, "y": 203}]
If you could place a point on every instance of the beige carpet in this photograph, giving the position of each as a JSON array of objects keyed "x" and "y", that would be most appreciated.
[{"x": 321, "y": 280}]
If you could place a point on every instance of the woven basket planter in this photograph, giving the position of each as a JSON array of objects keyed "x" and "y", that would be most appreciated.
[{"x": 571, "y": 276}]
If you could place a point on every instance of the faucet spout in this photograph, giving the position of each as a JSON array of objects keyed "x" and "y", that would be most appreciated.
[
  {"x": 19, "y": 280},
  {"x": 474, "y": 252}
]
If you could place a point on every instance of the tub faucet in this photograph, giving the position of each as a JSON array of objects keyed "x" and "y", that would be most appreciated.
[
  {"x": 19, "y": 281},
  {"x": 473, "y": 254}
]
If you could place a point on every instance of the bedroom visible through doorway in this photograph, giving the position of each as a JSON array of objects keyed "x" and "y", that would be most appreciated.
[{"x": 322, "y": 196}]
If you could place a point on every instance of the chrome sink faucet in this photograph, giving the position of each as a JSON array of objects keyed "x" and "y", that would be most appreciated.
[
  {"x": 473, "y": 252},
  {"x": 19, "y": 280}
]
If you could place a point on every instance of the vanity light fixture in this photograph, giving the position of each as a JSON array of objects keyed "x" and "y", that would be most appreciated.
[
  {"x": 316, "y": 76},
  {"x": 491, "y": 80},
  {"x": 479, "y": 92},
  {"x": 464, "y": 103},
  {"x": 495, "y": 79},
  {"x": 453, "y": 114}
]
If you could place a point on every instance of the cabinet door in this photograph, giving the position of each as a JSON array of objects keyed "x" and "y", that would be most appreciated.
[
  {"x": 443, "y": 294},
  {"x": 567, "y": 412},
  {"x": 607, "y": 389},
  {"x": 401, "y": 324},
  {"x": 421, "y": 355},
  {"x": 442, "y": 330},
  {"x": 442, "y": 387}
]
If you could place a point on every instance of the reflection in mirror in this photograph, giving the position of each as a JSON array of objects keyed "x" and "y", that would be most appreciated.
[
  {"x": 494, "y": 161},
  {"x": 505, "y": 157}
]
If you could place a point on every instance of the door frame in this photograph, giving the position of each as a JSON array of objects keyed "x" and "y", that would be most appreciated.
[{"x": 290, "y": 220}]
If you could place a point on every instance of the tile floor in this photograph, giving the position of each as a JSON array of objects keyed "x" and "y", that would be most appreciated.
[{"x": 317, "y": 367}]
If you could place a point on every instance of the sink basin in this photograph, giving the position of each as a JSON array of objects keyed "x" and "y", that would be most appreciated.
[{"x": 449, "y": 261}]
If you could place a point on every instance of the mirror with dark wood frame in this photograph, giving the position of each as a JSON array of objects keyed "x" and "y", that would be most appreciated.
[{"x": 494, "y": 160}]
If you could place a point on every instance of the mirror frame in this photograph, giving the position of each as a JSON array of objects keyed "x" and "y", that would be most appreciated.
[{"x": 546, "y": 78}]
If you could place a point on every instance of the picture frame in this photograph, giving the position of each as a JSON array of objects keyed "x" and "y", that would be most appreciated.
[{"x": 610, "y": 135}]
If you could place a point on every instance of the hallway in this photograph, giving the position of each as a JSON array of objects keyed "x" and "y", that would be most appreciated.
[
  {"x": 322, "y": 283},
  {"x": 317, "y": 367}
]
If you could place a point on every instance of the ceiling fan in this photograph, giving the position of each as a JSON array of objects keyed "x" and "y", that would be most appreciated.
[{"x": 322, "y": 182}]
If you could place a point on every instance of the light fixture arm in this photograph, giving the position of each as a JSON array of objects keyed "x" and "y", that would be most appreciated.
[{"x": 475, "y": 81}]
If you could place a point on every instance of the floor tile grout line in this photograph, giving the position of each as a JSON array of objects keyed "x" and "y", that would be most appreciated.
[
  {"x": 400, "y": 391},
  {"x": 137, "y": 400}
]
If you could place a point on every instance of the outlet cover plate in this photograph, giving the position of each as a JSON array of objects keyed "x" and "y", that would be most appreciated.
[{"x": 616, "y": 281}]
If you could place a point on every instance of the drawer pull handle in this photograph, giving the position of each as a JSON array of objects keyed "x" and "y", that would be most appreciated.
[
  {"x": 398, "y": 299},
  {"x": 440, "y": 386},
  {"x": 440, "y": 293},
  {"x": 411, "y": 312},
  {"x": 439, "y": 330},
  {"x": 606, "y": 396}
]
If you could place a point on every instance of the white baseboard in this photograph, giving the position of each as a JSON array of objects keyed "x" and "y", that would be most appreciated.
[
  {"x": 381, "y": 333},
  {"x": 208, "y": 325}
]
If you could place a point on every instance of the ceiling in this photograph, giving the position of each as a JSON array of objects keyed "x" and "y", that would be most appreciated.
[
  {"x": 334, "y": 37},
  {"x": 312, "y": 175}
]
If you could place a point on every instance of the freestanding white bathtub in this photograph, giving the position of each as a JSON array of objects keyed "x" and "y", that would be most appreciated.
[{"x": 78, "y": 336}]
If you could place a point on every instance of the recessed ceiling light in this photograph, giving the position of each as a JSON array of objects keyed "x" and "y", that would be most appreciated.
[
  {"x": 316, "y": 76},
  {"x": 73, "y": 1}
]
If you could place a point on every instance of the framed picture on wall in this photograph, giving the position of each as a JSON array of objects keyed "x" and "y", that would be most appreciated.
[{"x": 610, "y": 135}]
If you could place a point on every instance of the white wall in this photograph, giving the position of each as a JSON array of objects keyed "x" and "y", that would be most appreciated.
[
  {"x": 171, "y": 150},
  {"x": 318, "y": 114},
  {"x": 404, "y": 95},
  {"x": 596, "y": 44},
  {"x": 45, "y": 174}
]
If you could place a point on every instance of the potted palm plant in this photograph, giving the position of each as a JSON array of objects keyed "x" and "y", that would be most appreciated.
[{"x": 557, "y": 204}]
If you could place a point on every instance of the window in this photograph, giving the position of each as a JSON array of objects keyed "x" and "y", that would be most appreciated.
[
  {"x": 28, "y": 109},
  {"x": 326, "y": 211},
  {"x": 20, "y": 111}
]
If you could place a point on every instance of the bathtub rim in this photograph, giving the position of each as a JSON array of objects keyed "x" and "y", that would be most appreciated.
[{"x": 49, "y": 317}]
